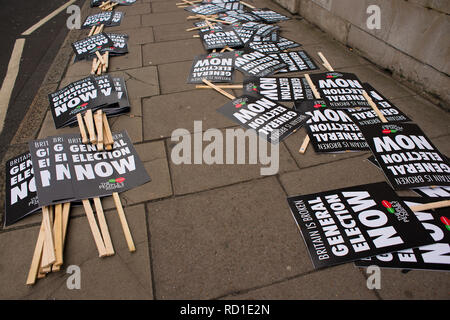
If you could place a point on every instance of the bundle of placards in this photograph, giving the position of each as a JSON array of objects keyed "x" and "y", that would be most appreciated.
[
  {"x": 110, "y": 4},
  {"x": 61, "y": 170}
]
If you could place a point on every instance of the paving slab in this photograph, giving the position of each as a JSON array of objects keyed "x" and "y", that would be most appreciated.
[
  {"x": 212, "y": 243},
  {"x": 173, "y": 77},
  {"x": 141, "y": 82},
  {"x": 131, "y": 60},
  {"x": 176, "y": 31},
  {"x": 130, "y": 278},
  {"x": 171, "y": 51},
  {"x": 156, "y": 19},
  {"x": 128, "y": 22}
]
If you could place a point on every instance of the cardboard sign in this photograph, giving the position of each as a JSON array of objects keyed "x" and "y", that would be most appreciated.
[
  {"x": 215, "y": 67},
  {"x": 97, "y": 19},
  {"x": 269, "y": 16},
  {"x": 230, "y": 5},
  {"x": 435, "y": 256},
  {"x": 53, "y": 174},
  {"x": 116, "y": 19},
  {"x": 87, "y": 46},
  {"x": 100, "y": 173},
  {"x": 257, "y": 64},
  {"x": 333, "y": 130},
  {"x": 364, "y": 116},
  {"x": 340, "y": 90},
  {"x": 238, "y": 16},
  {"x": 120, "y": 44},
  {"x": 262, "y": 29},
  {"x": 435, "y": 192},
  {"x": 406, "y": 156},
  {"x": 244, "y": 33},
  {"x": 278, "y": 89},
  {"x": 285, "y": 44},
  {"x": 349, "y": 224},
  {"x": 205, "y": 9},
  {"x": 296, "y": 61},
  {"x": 263, "y": 47},
  {"x": 20, "y": 191},
  {"x": 96, "y": 3},
  {"x": 213, "y": 39},
  {"x": 264, "y": 116},
  {"x": 122, "y": 92}
]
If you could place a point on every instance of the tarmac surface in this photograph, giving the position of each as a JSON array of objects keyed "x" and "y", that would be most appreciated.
[{"x": 206, "y": 231}]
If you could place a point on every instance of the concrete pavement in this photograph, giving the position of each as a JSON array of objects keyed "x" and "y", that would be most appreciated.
[{"x": 207, "y": 232}]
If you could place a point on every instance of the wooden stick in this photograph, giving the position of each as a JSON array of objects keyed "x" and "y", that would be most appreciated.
[
  {"x": 99, "y": 29},
  {"x": 304, "y": 145},
  {"x": 100, "y": 57},
  {"x": 103, "y": 227},
  {"x": 98, "y": 119},
  {"x": 306, "y": 141},
  {"x": 247, "y": 5},
  {"x": 226, "y": 94},
  {"x": 123, "y": 222},
  {"x": 195, "y": 28},
  {"x": 106, "y": 59},
  {"x": 92, "y": 31},
  {"x": 432, "y": 205},
  {"x": 221, "y": 21},
  {"x": 104, "y": 4},
  {"x": 90, "y": 126},
  {"x": 222, "y": 86},
  {"x": 36, "y": 261},
  {"x": 94, "y": 228},
  {"x": 48, "y": 241},
  {"x": 58, "y": 234},
  {"x": 65, "y": 223},
  {"x": 108, "y": 139},
  {"x": 374, "y": 107},
  {"x": 326, "y": 64},
  {"x": 84, "y": 137}
]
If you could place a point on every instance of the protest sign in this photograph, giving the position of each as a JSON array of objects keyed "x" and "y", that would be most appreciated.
[
  {"x": 20, "y": 190},
  {"x": 278, "y": 89},
  {"x": 349, "y": 224},
  {"x": 213, "y": 39},
  {"x": 120, "y": 45},
  {"x": 262, "y": 29},
  {"x": 264, "y": 116},
  {"x": 87, "y": 46},
  {"x": 406, "y": 156},
  {"x": 104, "y": 17},
  {"x": 340, "y": 90},
  {"x": 244, "y": 33},
  {"x": 269, "y": 16},
  {"x": 435, "y": 192},
  {"x": 254, "y": 63},
  {"x": 205, "y": 9},
  {"x": 435, "y": 256},
  {"x": 296, "y": 61},
  {"x": 285, "y": 44},
  {"x": 215, "y": 67},
  {"x": 263, "y": 46},
  {"x": 116, "y": 19}
]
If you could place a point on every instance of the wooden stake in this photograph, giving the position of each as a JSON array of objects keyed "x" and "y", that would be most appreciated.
[
  {"x": 304, "y": 145},
  {"x": 48, "y": 241},
  {"x": 108, "y": 139},
  {"x": 432, "y": 205},
  {"x": 326, "y": 64},
  {"x": 90, "y": 126},
  {"x": 100, "y": 57},
  {"x": 123, "y": 222},
  {"x": 103, "y": 227},
  {"x": 36, "y": 261},
  {"x": 221, "y": 21},
  {"x": 65, "y": 223},
  {"x": 226, "y": 94},
  {"x": 58, "y": 234},
  {"x": 248, "y": 5},
  {"x": 94, "y": 229},
  {"x": 98, "y": 119},
  {"x": 92, "y": 31},
  {"x": 306, "y": 141},
  {"x": 106, "y": 59},
  {"x": 374, "y": 107},
  {"x": 84, "y": 137}
]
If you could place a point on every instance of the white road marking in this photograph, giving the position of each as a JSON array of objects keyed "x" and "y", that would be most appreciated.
[
  {"x": 47, "y": 18},
  {"x": 10, "y": 79}
]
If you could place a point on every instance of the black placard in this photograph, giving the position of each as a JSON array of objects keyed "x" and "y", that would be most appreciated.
[
  {"x": 435, "y": 256},
  {"x": 215, "y": 67},
  {"x": 278, "y": 89},
  {"x": 262, "y": 29},
  {"x": 340, "y": 90},
  {"x": 246, "y": 34},
  {"x": 265, "y": 47},
  {"x": 433, "y": 192},
  {"x": 365, "y": 116},
  {"x": 120, "y": 44},
  {"x": 264, "y": 116},
  {"x": 213, "y": 39},
  {"x": 269, "y": 16},
  {"x": 296, "y": 61},
  {"x": 333, "y": 130},
  {"x": 254, "y": 63},
  {"x": 406, "y": 156},
  {"x": 285, "y": 44},
  {"x": 104, "y": 17},
  {"x": 100, "y": 173},
  {"x": 87, "y": 46},
  {"x": 349, "y": 224},
  {"x": 205, "y": 9},
  {"x": 20, "y": 189}
]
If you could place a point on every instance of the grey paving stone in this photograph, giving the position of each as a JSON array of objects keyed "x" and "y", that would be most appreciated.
[
  {"x": 212, "y": 243},
  {"x": 176, "y": 31},
  {"x": 141, "y": 82},
  {"x": 171, "y": 51},
  {"x": 123, "y": 276},
  {"x": 131, "y": 60},
  {"x": 155, "y": 19},
  {"x": 173, "y": 77}
]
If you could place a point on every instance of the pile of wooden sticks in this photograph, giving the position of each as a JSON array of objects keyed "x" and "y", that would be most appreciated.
[
  {"x": 107, "y": 6},
  {"x": 101, "y": 63}
]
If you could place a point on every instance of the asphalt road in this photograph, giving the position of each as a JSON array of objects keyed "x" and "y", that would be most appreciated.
[{"x": 40, "y": 49}]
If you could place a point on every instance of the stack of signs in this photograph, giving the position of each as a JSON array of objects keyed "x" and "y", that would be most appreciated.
[
  {"x": 406, "y": 156},
  {"x": 238, "y": 16},
  {"x": 206, "y": 27},
  {"x": 331, "y": 130},
  {"x": 256, "y": 64},
  {"x": 285, "y": 44},
  {"x": 20, "y": 191},
  {"x": 119, "y": 47},
  {"x": 434, "y": 256},
  {"x": 107, "y": 18},
  {"x": 278, "y": 89},
  {"x": 262, "y": 29},
  {"x": 227, "y": 4},
  {"x": 88, "y": 46},
  {"x": 349, "y": 224},
  {"x": 244, "y": 33},
  {"x": 215, "y": 67},
  {"x": 96, "y": 3},
  {"x": 66, "y": 169},
  {"x": 297, "y": 61},
  {"x": 364, "y": 116},
  {"x": 218, "y": 39},
  {"x": 269, "y": 119},
  {"x": 205, "y": 9},
  {"x": 266, "y": 47},
  {"x": 89, "y": 93},
  {"x": 340, "y": 90},
  {"x": 269, "y": 16}
]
